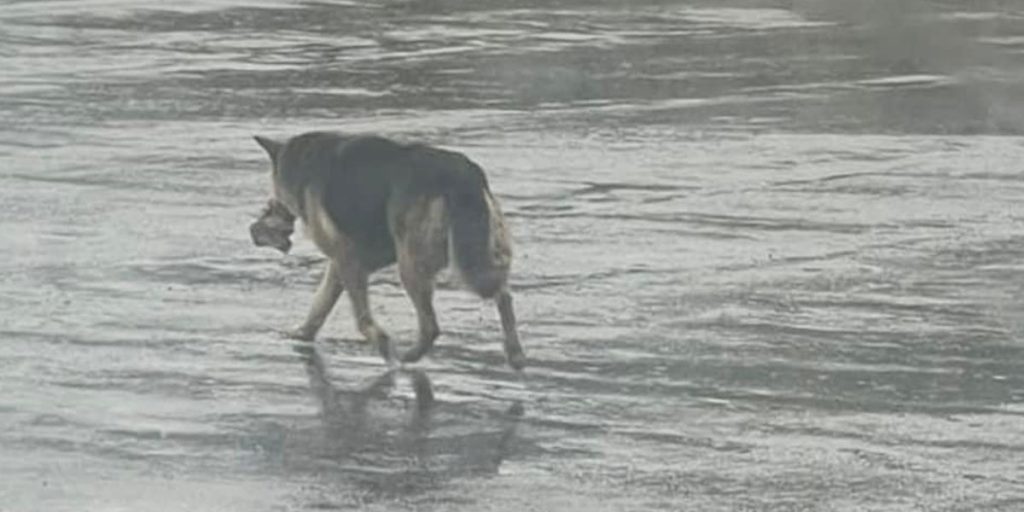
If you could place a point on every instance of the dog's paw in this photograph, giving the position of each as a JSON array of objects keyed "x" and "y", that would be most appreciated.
[
  {"x": 412, "y": 355},
  {"x": 394, "y": 364},
  {"x": 517, "y": 361},
  {"x": 299, "y": 333}
]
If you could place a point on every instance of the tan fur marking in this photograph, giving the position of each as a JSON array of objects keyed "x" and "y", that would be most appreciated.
[
  {"x": 322, "y": 230},
  {"x": 422, "y": 246},
  {"x": 500, "y": 245}
]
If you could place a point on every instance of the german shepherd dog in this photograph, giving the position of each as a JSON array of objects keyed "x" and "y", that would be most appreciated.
[{"x": 368, "y": 202}]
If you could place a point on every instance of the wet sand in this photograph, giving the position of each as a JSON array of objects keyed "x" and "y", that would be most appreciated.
[{"x": 769, "y": 257}]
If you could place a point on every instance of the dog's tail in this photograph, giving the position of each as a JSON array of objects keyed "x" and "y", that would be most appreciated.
[{"x": 479, "y": 240}]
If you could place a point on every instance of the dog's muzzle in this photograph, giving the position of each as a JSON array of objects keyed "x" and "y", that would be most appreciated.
[
  {"x": 274, "y": 228},
  {"x": 266, "y": 236}
]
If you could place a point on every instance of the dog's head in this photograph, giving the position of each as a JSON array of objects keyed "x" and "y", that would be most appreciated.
[
  {"x": 274, "y": 228},
  {"x": 276, "y": 223}
]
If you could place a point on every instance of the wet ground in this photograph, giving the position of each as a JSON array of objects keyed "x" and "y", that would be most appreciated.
[{"x": 770, "y": 257}]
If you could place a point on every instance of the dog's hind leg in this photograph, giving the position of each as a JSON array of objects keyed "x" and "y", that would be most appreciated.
[
  {"x": 421, "y": 290},
  {"x": 323, "y": 302},
  {"x": 422, "y": 243},
  {"x": 513, "y": 350},
  {"x": 483, "y": 254}
]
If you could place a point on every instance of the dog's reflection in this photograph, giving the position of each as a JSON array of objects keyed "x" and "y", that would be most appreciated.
[{"x": 397, "y": 449}]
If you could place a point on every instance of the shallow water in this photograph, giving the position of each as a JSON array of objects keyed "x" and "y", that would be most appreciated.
[{"x": 769, "y": 257}]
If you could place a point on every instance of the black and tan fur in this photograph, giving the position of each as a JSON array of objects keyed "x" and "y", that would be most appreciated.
[{"x": 368, "y": 202}]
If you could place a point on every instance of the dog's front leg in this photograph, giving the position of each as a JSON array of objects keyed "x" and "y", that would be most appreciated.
[
  {"x": 356, "y": 281},
  {"x": 326, "y": 296}
]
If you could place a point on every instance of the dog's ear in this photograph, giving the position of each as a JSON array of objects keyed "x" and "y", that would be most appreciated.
[{"x": 271, "y": 146}]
